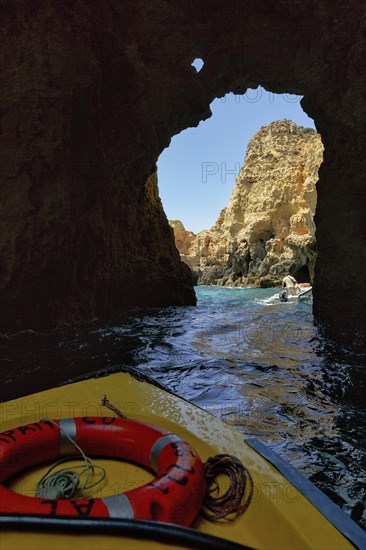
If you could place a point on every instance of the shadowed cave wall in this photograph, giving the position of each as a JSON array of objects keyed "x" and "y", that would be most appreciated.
[{"x": 93, "y": 91}]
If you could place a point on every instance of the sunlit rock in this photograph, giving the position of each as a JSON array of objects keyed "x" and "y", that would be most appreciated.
[{"x": 267, "y": 228}]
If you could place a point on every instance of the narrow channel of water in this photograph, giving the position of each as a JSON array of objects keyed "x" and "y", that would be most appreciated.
[{"x": 255, "y": 362}]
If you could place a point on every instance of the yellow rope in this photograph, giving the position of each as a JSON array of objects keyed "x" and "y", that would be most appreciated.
[{"x": 66, "y": 482}]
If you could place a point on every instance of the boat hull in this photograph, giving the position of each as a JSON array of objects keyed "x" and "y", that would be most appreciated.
[
  {"x": 279, "y": 516},
  {"x": 306, "y": 292}
]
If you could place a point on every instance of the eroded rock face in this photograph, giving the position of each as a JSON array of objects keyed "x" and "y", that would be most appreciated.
[
  {"x": 92, "y": 92},
  {"x": 183, "y": 238},
  {"x": 267, "y": 228}
]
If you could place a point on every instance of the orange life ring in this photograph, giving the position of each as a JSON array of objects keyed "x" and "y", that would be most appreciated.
[{"x": 174, "y": 496}]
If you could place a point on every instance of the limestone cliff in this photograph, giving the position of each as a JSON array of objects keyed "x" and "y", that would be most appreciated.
[
  {"x": 183, "y": 238},
  {"x": 91, "y": 94},
  {"x": 268, "y": 226}
]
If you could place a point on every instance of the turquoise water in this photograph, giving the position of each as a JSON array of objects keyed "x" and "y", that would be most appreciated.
[{"x": 255, "y": 362}]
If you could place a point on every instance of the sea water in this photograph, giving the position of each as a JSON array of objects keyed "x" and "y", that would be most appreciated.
[{"x": 257, "y": 363}]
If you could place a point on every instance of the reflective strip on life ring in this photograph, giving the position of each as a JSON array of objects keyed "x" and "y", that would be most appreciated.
[{"x": 174, "y": 496}]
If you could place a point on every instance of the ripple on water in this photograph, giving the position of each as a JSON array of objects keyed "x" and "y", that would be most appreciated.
[{"x": 255, "y": 362}]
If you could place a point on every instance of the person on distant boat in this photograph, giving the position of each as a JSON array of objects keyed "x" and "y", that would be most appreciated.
[{"x": 291, "y": 285}]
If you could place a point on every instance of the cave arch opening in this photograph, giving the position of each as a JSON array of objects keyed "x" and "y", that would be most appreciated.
[{"x": 197, "y": 176}]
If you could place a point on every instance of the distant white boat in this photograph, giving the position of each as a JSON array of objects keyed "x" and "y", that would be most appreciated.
[{"x": 304, "y": 293}]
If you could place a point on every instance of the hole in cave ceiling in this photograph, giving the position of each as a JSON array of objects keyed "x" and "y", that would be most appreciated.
[{"x": 198, "y": 64}]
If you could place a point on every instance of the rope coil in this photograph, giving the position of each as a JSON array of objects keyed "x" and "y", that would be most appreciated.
[
  {"x": 230, "y": 502},
  {"x": 67, "y": 483}
]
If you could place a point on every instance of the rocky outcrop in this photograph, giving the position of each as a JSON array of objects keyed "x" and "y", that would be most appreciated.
[
  {"x": 267, "y": 228},
  {"x": 183, "y": 238},
  {"x": 92, "y": 93}
]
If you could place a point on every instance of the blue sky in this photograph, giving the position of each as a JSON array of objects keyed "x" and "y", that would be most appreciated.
[{"x": 196, "y": 173}]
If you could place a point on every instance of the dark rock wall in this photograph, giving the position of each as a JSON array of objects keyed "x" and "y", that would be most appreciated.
[
  {"x": 82, "y": 231},
  {"x": 91, "y": 93}
]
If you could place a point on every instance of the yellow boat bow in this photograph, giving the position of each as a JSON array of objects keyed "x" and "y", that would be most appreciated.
[{"x": 286, "y": 512}]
